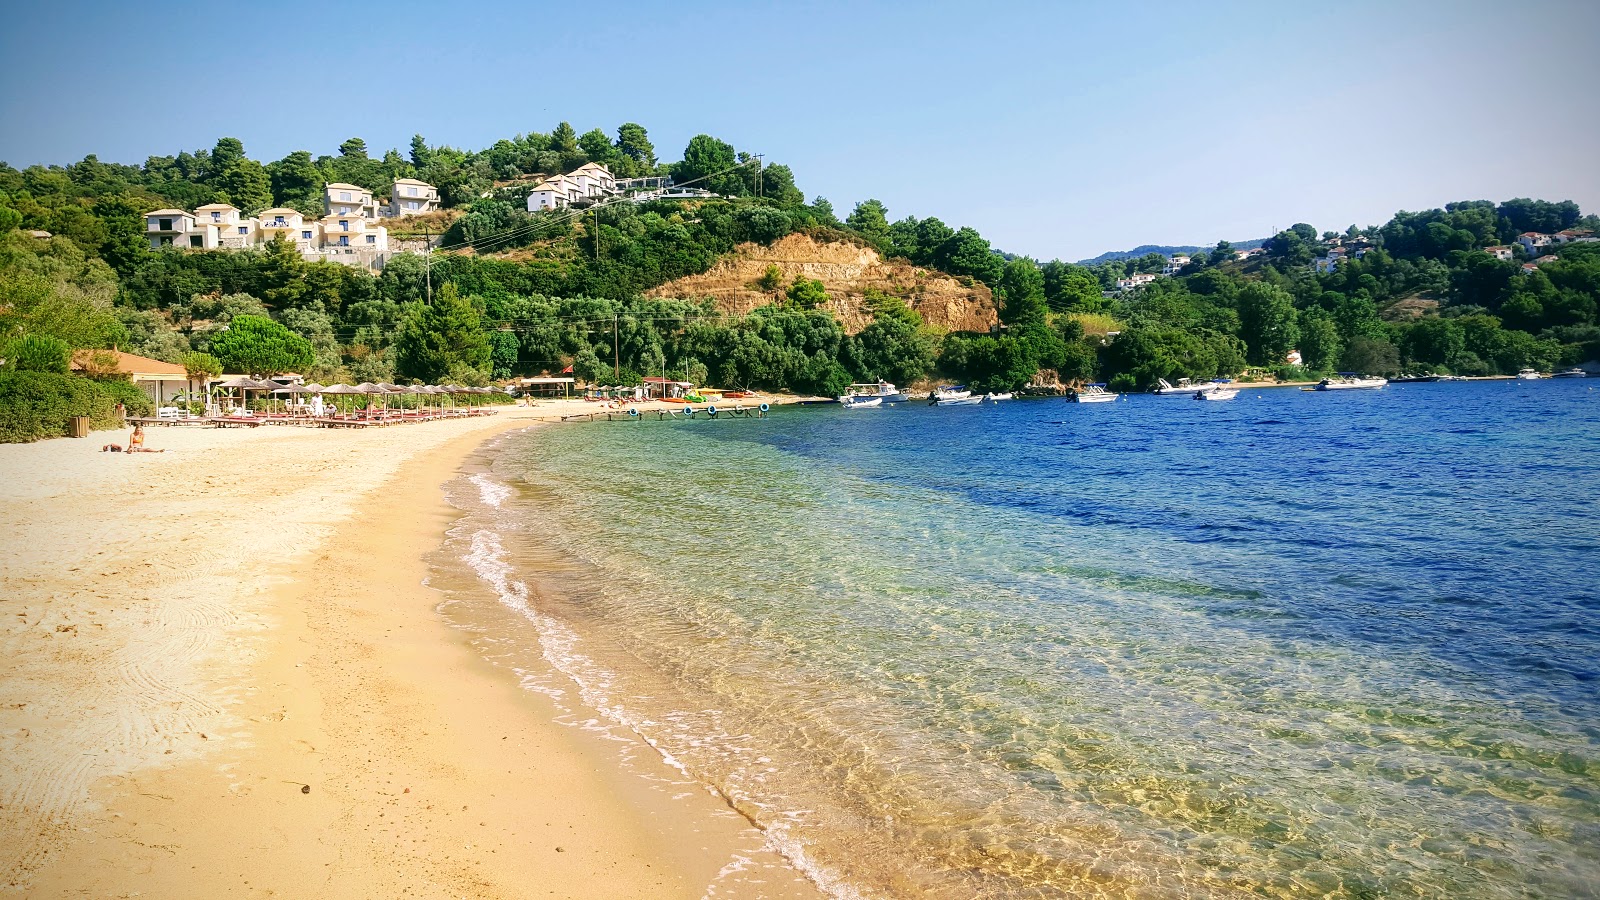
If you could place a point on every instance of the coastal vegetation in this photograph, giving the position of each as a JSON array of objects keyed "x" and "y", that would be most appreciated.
[{"x": 511, "y": 292}]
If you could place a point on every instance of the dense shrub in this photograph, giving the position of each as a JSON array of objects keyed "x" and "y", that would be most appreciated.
[{"x": 36, "y": 405}]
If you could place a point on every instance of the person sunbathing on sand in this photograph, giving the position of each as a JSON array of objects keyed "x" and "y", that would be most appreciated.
[{"x": 136, "y": 442}]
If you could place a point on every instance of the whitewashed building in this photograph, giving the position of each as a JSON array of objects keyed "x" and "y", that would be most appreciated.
[
  {"x": 1534, "y": 242},
  {"x": 1137, "y": 279},
  {"x": 590, "y": 181},
  {"x": 1501, "y": 252},
  {"x": 1175, "y": 265}
]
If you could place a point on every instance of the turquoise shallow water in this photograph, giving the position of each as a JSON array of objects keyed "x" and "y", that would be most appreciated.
[{"x": 1297, "y": 644}]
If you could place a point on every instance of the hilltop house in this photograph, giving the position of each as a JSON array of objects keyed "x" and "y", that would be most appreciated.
[
  {"x": 1533, "y": 242},
  {"x": 410, "y": 197},
  {"x": 1174, "y": 265},
  {"x": 178, "y": 228},
  {"x": 1501, "y": 252},
  {"x": 1326, "y": 264},
  {"x": 1137, "y": 279},
  {"x": 590, "y": 181}
]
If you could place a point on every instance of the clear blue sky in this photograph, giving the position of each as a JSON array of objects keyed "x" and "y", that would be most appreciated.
[{"x": 1056, "y": 129}]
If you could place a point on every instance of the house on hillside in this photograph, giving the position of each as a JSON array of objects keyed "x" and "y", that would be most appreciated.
[
  {"x": 1534, "y": 242},
  {"x": 1137, "y": 279},
  {"x": 340, "y": 232},
  {"x": 588, "y": 182},
  {"x": 160, "y": 380},
  {"x": 1501, "y": 252},
  {"x": 1330, "y": 262},
  {"x": 340, "y": 199},
  {"x": 234, "y": 230},
  {"x": 1573, "y": 236},
  {"x": 1174, "y": 265},
  {"x": 410, "y": 197},
  {"x": 292, "y": 225},
  {"x": 177, "y": 228}
]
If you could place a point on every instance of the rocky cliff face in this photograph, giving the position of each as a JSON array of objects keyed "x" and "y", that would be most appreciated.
[{"x": 847, "y": 271}]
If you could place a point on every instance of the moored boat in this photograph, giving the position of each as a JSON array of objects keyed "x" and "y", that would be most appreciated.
[
  {"x": 1218, "y": 393},
  {"x": 1573, "y": 372},
  {"x": 1528, "y": 375},
  {"x": 1092, "y": 393},
  {"x": 1184, "y": 388},
  {"x": 850, "y": 402},
  {"x": 950, "y": 393},
  {"x": 996, "y": 398},
  {"x": 883, "y": 390},
  {"x": 1349, "y": 381}
]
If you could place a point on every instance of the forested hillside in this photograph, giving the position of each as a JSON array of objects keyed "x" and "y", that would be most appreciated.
[{"x": 513, "y": 292}]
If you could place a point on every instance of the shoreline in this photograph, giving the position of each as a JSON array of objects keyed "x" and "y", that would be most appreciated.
[{"x": 332, "y": 734}]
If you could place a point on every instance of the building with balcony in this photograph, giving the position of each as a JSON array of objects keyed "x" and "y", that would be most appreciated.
[
  {"x": 340, "y": 199},
  {"x": 591, "y": 181},
  {"x": 234, "y": 230},
  {"x": 410, "y": 197},
  {"x": 291, "y": 224},
  {"x": 340, "y": 232},
  {"x": 168, "y": 227}
]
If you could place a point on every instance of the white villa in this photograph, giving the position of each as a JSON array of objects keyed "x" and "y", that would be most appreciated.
[
  {"x": 1174, "y": 265},
  {"x": 1138, "y": 279},
  {"x": 587, "y": 182},
  {"x": 348, "y": 232},
  {"x": 1501, "y": 252},
  {"x": 1533, "y": 242}
]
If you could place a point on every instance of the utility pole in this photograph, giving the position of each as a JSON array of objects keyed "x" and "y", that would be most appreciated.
[
  {"x": 427, "y": 260},
  {"x": 597, "y": 232}
]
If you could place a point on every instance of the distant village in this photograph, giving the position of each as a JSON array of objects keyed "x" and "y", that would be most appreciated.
[{"x": 1532, "y": 242}]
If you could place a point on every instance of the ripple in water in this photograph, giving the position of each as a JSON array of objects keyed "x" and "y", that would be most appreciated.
[{"x": 1285, "y": 649}]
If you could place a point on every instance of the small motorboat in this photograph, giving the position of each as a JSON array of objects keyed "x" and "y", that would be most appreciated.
[
  {"x": 1219, "y": 393},
  {"x": 881, "y": 389},
  {"x": 1092, "y": 393},
  {"x": 951, "y": 393},
  {"x": 850, "y": 402},
  {"x": 1184, "y": 388},
  {"x": 1573, "y": 372},
  {"x": 1349, "y": 381},
  {"x": 996, "y": 398},
  {"x": 1528, "y": 375},
  {"x": 969, "y": 400}
]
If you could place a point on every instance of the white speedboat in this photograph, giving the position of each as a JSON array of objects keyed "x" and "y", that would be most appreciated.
[
  {"x": 959, "y": 401},
  {"x": 850, "y": 402},
  {"x": 1528, "y": 375},
  {"x": 951, "y": 393},
  {"x": 1346, "y": 381},
  {"x": 996, "y": 398},
  {"x": 1217, "y": 393},
  {"x": 1184, "y": 388},
  {"x": 1571, "y": 373},
  {"x": 1092, "y": 393},
  {"x": 883, "y": 390}
]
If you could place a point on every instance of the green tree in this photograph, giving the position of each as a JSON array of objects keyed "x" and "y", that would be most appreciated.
[
  {"x": 596, "y": 145},
  {"x": 1022, "y": 289},
  {"x": 1267, "y": 322},
  {"x": 503, "y": 350},
  {"x": 297, "y": 182},
  {"x": 564, "y": 139},
  {"x": 246, "y": 185},
  {"x": 1320, "y": 346},
  {"x": 634, "y": 142},
  {"x": 706, "y": 162},
  {"x": 967, "y": 253},
  {"x": 261, "y": 347},
  {"x": 420, "y": 154},
  {"x": 442, "y": 338},
  {"x": 870, "y": 219},
  {"x": 807, "y": 293},
  {"x": 354, "y": 148},
  {"x": 1372, "y": 356}
]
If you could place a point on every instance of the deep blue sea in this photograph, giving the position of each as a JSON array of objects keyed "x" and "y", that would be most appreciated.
[{"x": 1297, "y": 644}]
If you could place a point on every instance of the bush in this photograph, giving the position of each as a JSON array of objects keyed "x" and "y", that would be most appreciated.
[
  {"x": 38, "y": 353},
  {"x": 36, "y": 405}
]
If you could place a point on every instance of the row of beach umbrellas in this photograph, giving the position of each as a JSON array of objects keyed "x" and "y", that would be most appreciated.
[{"x": 245, "y": 384}]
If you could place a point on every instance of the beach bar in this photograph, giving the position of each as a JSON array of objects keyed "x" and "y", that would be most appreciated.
[{"x": 160, "y": 380}]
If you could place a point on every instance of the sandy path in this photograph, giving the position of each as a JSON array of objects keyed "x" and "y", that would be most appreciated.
[{"x": 186, "y": 638}]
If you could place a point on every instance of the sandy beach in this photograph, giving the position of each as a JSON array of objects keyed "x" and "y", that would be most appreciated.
[{"x": 221, "y": 674}]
